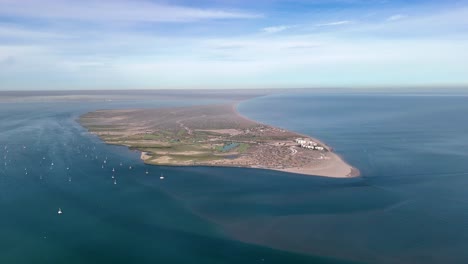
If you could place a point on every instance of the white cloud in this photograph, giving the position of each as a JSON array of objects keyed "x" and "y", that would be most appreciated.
[
  {"x": 116, "y": 10},
  {"x": 396, "y": 17},
  {"x": 430, "y": 25},
  {"x": 256, "y": 61},
  {"x": 12, "y": 31},
  {"x": 276, "y": 29},
  {"x": 11, "y": 51},
  {"x": 336, "y": 23}
]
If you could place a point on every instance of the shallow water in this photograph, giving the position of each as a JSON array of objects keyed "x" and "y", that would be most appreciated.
[{"x": 410, "y": 205}]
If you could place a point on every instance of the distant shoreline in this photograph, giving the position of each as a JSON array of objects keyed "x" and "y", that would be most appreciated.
[{"x": 267, "y": 151}]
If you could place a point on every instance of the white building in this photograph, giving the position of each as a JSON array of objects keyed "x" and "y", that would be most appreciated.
[
  {"x": 305, "y": 142},
  {"x": 300, "y": 141},
  {"x": 308, "y": 144}
]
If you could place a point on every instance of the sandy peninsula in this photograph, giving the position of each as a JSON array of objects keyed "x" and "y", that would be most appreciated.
[{"x": 214, "y": 135}]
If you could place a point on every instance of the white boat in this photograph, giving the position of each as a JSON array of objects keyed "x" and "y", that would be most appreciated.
[
  {"x": 161, "y": 177},
  {"x": 59, "y": 211},
  {"x": 113, "y": 169},
  {"x": 115, "y": 181},
  {"x": 147, "y": 172}
]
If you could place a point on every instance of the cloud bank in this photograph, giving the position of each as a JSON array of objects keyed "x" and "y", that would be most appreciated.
[{"x": 60, "y": 44}]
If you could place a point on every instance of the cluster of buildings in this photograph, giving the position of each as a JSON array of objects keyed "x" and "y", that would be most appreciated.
[{"x": 308, "y": 144}]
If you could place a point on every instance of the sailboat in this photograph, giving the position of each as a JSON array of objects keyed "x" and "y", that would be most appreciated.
[{"x": 59, "y": 211}]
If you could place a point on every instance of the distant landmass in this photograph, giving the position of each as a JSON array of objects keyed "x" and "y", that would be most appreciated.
[{"x": 214, "y": 135}]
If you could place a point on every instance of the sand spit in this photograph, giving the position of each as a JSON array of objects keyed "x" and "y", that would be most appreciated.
[{"x": 214, "y": 135}]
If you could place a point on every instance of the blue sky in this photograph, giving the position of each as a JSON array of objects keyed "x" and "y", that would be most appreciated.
[{"x": 143, "y": 44}]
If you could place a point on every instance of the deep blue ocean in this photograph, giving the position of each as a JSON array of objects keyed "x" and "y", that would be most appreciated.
[{"x": 409, "y": 206}]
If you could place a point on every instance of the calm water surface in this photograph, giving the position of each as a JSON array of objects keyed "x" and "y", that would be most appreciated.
[{"x": 410, "y": 205}]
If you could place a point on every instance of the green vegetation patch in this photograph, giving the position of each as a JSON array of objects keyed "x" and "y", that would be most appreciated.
[
  {"x": 243, "y": 147},
  {"x": 95, "y": 128},
  {"x": 181, "y": 132},
  {"x": 229, "y": 146},
  {"x": 152, "y": 136}
]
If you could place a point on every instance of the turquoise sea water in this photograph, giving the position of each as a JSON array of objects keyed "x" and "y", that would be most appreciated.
[{"x": 409, "y": 206}]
